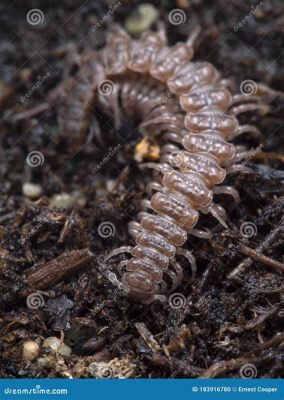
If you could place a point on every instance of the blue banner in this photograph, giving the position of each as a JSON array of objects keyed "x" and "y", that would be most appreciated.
[{"x": 128, "y": 389}]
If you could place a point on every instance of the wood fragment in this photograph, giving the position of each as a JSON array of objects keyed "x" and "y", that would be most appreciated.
[
  {"x": 260, "y": 319},
  {"x": 48, "y": 274},
  {"x": 269, "y": 239},
  {"x": 254, "y": 254},
  {"x": 175, "y": 366},
  {"x": 34, "y": 112},
  {"x": 147, "y": 336},
  {"x": 225, "y": 366}
]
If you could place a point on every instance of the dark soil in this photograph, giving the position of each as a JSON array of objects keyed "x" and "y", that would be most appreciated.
[{"x": 231, "y": 318}]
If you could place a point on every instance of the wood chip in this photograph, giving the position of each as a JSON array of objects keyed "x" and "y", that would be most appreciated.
[{"x": 48, "y": 274}]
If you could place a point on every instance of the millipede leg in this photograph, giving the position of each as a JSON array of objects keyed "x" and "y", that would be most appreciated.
[
  {"x": 193, "y": 36},
  {"x": 227, "y": 190},
  {"x": 154, "y": 186},
  {"x": 236, "y": 110},
  {"x": 161, "y": 31},
  {"x": 172, "y": 137},
  {"x": 163, "y": 286},
  {"x": 170, "y": 148},
  {"x": 178, "y": 269},
  {"x": 158, "y": 297},
  {"x": 226, "y": 83},
  {"x": 219, "y": 213},
  {"x": 247, "y": 129},
  {"x": 176, "y": 276},
  {"x": 236, "y": 168},
  {"x": 244, "y": 98},
  {"x": 134, "y": 228},
  {"x": 163, "y": 168},
  {"x": 120, "y": 250},
  {"x": 190, "y": 257},
  {"x": 200, "y": 234},
  {"x": 241, "y": 155},
  {"x": 121, "y": 266},
  {"x": 146, "y": 204}
]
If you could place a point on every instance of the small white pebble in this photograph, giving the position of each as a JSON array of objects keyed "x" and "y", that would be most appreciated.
[
  {"x": 31, "y": 190},
  {"x": 110, "y": 185},
  {"x": 141, "y": 19},
  {"x": 55, "y": 344},
  {"x": 61, "y": 200},
  {"x": 30, "y": 351},
  {"x": 48, "y": 361},
  {"x": 65, "y": 200}
]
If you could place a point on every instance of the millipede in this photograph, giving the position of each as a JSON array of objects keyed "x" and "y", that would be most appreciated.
[{"x": 190, "y": 109}]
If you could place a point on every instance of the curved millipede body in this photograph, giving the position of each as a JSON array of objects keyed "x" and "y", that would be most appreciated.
[{"x": 188, "y": 106}]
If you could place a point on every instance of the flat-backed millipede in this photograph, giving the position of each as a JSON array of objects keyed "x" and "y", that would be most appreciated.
[{"x": 187, "y": 105}]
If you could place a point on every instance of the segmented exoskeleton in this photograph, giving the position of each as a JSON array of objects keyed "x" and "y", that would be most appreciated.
[{"x": 187, "y": 105}]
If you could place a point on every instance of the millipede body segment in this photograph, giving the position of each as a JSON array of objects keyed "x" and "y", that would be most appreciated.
[{"x": 188, "y": 106}]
